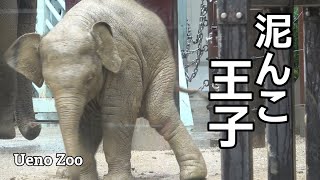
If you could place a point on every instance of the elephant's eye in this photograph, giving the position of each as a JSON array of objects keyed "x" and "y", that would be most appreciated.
[{"x": 89, "y": 79}]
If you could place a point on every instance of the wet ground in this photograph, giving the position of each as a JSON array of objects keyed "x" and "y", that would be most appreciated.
[{"x": 145, "y": 164}]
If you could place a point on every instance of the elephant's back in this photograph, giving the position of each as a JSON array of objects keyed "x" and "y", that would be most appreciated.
[
  {"x": 142, "y": 28},
  {"x": 149, "y": 29},
  {"x": 136, "y": 28}
]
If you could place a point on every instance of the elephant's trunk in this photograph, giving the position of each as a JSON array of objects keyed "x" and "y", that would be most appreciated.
[
  {"x": 70, "y": 110},
  {"x": 24, "y": 109}
]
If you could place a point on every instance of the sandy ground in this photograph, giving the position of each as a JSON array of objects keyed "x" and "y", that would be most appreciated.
[{"x": 145, "y": 164}]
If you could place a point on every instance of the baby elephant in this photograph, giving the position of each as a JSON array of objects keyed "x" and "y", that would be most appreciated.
[{"x": 107, "y": 63}]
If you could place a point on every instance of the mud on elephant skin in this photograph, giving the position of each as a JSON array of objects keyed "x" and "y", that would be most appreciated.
[{"x": 108, "y": 63}]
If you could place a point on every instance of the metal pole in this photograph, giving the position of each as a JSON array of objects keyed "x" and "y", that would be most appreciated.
[
  {"x": 212, "y": 53},
  {"x": 301, "y": 56},
  {"x": 312, "y": 44},
  {"x": 259, "y": 134},
  {"x": 236, "y": 163},
  {"x": 182, "y": 21},
  {"x": 281, "y": 137}
]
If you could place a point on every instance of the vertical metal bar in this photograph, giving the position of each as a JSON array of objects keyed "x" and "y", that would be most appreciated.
[
  {"x": 212, "y": 54},
  {"x": 236, "y": 163},
  {"x": 182, "y": 21},
  {"x": 281, "y": 137},
  {"x": 185, "y": 107},
  {"x": 40, "y": 26},
  {"x": 258, "y": 136},
  {"x": 212, "y": 50},
  {"x": 312, "y": 51},
  {"x": 214, "y": 30},
  {"x": 174, "y": 38},
  {"x": 301, "y": 56}
]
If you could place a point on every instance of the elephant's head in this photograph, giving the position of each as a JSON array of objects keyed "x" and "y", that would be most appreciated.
[
  {"x": 66, "y": 63},
  {"x": 72, "y": 63}
]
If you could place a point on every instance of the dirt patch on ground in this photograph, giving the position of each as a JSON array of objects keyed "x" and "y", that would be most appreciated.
[{"x": 145, "y": 164}]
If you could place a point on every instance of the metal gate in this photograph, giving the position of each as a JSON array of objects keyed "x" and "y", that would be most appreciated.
[
  {"x": 233, "y": 34},
  {"x": 49, "y": 13}
]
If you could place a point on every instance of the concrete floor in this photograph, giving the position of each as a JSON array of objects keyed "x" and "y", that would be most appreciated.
[
  {"x": 145, "y": 164},
  {"x": 50, "y": 142}
]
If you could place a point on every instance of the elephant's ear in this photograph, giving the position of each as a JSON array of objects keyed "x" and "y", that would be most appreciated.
[
  {"x": 23, "y": 56},
  {"x": 106, "y": 48}
]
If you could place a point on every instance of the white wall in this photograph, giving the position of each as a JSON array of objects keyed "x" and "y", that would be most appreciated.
[{"x": 193, "y": 14}]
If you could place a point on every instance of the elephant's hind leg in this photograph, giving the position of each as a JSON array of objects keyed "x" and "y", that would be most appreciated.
[
  {"x": 91, "y": 136},
  {"x": 161, "y": 111}
]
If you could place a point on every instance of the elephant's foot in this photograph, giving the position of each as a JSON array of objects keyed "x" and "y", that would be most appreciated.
[
  {"x": 189, "y": 157},
  {"x": 91, "y": 176},
  {"x": 30, "y": 130},
  {"x": 193, "y": 168},
  {"x": 63, "y": 173},
  {"x": 118, "y": 176}
]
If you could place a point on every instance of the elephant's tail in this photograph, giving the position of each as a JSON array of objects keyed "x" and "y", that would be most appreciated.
[{"x": 192, "y": 91}]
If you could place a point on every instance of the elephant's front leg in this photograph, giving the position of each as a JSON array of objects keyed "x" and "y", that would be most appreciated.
[
  {"x": 90, "y": 133},
  {"x": 119, "y": 121}
]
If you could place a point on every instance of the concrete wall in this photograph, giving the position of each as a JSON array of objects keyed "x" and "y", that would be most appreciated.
[
  {"x": 198, "y": 104},
  {"x": 193, "y": 14}
]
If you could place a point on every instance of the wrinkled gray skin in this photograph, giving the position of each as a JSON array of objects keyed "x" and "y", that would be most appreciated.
[
  {"x": 15, "y": 89},
  {"x": 107, "y": 63}
]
